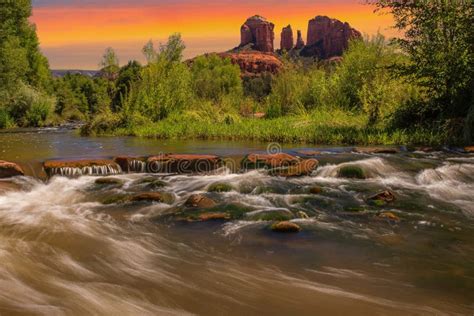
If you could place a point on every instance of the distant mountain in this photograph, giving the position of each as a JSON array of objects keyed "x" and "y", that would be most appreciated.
[{"x": 62, "y": 72}]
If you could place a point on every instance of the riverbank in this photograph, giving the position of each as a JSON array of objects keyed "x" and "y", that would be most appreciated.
[{"x": 322, "y": 128}]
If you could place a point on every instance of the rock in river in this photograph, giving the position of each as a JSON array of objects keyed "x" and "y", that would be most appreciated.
[
  {"x": 286, "y": 227},
  {"x": 201, "y": 201},
  {"x": 171, "y": 163},
  {"x": 10, "y": 169},
  {"x": 256, "y": 161}
]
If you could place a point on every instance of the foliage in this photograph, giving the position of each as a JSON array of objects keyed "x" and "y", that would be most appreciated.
[
  {"x": 109, "y": 64},
  {"x": 438, "y": 38},
  {"x": 214, "y": 77}
]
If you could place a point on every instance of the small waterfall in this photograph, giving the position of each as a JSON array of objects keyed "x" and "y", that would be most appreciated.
[
  {"x": 138, "y": 166},
  {"x": 72, "y": 172}
]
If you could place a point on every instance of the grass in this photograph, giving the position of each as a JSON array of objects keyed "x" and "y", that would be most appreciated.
[{"x": 335, "y": 127}]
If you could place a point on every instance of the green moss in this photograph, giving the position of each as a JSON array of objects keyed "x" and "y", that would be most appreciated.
[
  {"x": 108, "y": 182},
  {"x": 220, "y": 187},
  {"x": 351, "y": 172},
  {"x": 276, "y": 215},
  {"x": 378, "y": 203},
  {"x": 116, "y": 199}
]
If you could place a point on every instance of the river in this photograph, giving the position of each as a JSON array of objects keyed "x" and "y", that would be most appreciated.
[{"x": 64, "y": 251}]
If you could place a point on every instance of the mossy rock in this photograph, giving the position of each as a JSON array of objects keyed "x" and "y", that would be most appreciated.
[
  {"x": 109, "y": 182},
  {"x": 220, "y": 187},
  {"x": 221, "y": 212},
  {"x": 116, "y": 199},
  {"x": 151, "y": 183},
  {"x": 271, "y": 215},
  {"x": 285, "y": 227},
  {"x": 352, "y": 172},
  {"x": 160, "y": 197}
]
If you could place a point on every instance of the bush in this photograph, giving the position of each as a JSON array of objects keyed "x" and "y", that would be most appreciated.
[
  {"x": 214, "y": 77},
  {"x": 288, "y": 91},
  {"x": 5, "y": 119},
  {"x": 30, "y": 107}
]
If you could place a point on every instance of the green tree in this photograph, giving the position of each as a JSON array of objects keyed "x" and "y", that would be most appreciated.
[
  {"x": 438, "y": 36},
  {"x": 214, "y": 77},
  {"x": 128, "y": 76},
  {"x": 109, "y": 64}
]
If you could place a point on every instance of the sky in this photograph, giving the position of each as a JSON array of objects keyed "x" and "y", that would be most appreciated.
[{"x": 74, "y": 33}]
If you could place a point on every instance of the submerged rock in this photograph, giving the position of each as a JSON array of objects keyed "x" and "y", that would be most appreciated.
[
  {"x": 153, "y": 197},
  {"x": 285, "y": 227},
  {"x": 214, "y": 217},
  {"x": 180, "y": 164},
  {"x": 388, "y": 216},
  {"x": 220, "y": 187},
  {"x": 385, "y": 196},
  {"x": 10, "y": 169},
  {"x": 200, "y": 201},
  {"x": 7, "y": 186},
  {"x": 315, "y": 190},
  {"x": 72, "y": 168},
  {"x": 351, "y": 172}
]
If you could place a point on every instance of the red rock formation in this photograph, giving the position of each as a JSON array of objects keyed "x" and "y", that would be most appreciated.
[
  {"x": 328, "y": 37},
  {"x": 245, "y": 35},
  {"x": 259, "y": 32},
  {"x": 254, "y": 63},
  {"x": 287, "y": 40},
  {"x": 299, "y": 41}
]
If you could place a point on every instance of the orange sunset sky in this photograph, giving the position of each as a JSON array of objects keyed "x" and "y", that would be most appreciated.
[{"x": 74, "y": 33}]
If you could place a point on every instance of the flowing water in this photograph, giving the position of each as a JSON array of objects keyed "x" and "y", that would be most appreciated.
[{"x": 63, "y": 250}]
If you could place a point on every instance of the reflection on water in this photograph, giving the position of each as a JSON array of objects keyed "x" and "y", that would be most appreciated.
[{"x": 70, "y": 246}]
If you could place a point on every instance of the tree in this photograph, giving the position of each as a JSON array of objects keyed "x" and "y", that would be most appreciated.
[
  {"x": 439, "y": 39},
  {"x": 109, "y": 64},
  {"x": 173, "y": 50},
  {"x": 128, "y": 75},
  {"x": 215, "y": 77},
  {"x": 149, "y": 52}
]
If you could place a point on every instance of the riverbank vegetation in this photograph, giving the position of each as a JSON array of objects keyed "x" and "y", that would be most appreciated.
[{"x": 418, "y": 89}]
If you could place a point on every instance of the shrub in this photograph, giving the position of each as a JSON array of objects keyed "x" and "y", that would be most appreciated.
[{"x": 214, "y": 77}]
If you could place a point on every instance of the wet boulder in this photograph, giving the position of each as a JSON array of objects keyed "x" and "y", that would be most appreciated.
[
  {"x": 220, "y": 187},
  {"x": 351, "y": 172},
  {"x": 377, "y": 150},
  {"x": 469, "y": 149},
  {"x": 72, "y": 168},
  {"x": 153, "y": 197},
  {"x": 200, "y": 201},
  {"x": 10, "y": 169},
  {"x": 303, "y": 168},
  {"x": 270, "y": 161},
  {"x": 286, "y": 227},
  {"x": 183, "y": 164},
  {"x": 270, "y": 215}
]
